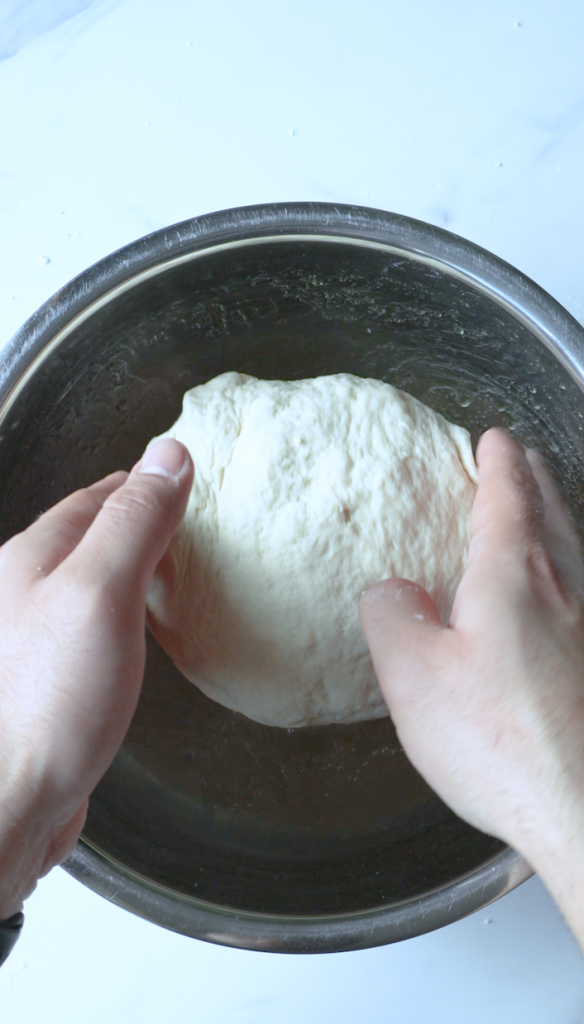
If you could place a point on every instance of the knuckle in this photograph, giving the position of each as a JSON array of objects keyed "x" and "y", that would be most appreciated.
[
  {"x": 66, "y": 520},
  {"x": 540, "y": 569},
  {"x": 133, "y": 502},
  {"x": 547, "y": 577},
  {"x": 73, "y": 504},
  {"x": 530, "y": 573},
  {"x": 525, "y": 484},
  {"x": 526, "y": 502}
]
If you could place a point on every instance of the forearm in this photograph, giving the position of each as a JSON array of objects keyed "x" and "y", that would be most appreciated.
[
  {"x": 565, "y": 881},
  {"x": 9, "y": 931},
  {"x": 21, "y": 861},
  {"x": 34, "y": 837},
  {"x": 18, "y": 877},
  {"x": 557, "y": 855},
  {"x": 25, "y": 835}
]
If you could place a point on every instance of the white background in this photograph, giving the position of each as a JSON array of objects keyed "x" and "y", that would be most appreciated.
[{"x": 118, "y": 117}]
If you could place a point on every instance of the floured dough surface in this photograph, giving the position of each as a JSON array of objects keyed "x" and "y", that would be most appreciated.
[{"x": 305, "y": 494}]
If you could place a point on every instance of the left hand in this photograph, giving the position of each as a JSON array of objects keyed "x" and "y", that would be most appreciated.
[{"x": 72, "y": 651}]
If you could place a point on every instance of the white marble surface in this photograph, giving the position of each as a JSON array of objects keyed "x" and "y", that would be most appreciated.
[{"x": 120, "y": 116}]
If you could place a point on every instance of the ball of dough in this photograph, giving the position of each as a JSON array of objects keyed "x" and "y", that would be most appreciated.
[{"x": 305, "y": 493}]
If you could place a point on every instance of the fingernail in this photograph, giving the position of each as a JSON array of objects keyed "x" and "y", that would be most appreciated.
[{"x": 163, "y": 458}]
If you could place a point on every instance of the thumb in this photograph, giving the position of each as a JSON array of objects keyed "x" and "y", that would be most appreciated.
[
  {"x": 401, "y": 626},
  {"x": 131, "y": 532}
]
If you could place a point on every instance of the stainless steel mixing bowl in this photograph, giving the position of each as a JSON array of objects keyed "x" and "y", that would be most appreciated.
[{"x": 313, "y": 839}]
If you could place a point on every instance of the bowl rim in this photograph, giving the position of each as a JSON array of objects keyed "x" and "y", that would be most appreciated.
[
  {"x": 457, "y": 256},
  {"x": 302, "y": 933},
  {"x": 308, "y": 222}
]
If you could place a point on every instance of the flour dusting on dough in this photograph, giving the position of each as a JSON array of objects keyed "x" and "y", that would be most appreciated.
[{"x": 305, "y": 494}]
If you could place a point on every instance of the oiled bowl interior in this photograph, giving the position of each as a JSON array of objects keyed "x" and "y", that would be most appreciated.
[{"x": 201, "y": 799}]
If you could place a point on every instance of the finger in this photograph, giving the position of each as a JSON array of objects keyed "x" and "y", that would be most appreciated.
[
  {"x": 561, "y": 536},
  {"x": 508, "y": 507},
  {"x": 38, "y": 550},
  {"x": 507, "y": 548},
  {"x": 401, "y": 626},
  {"x": 135, "y": 524},
  {"x": 507, "y": 514}
]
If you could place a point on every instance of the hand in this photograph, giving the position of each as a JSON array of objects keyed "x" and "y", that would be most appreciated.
[
  {"x": 491, "y": 709},
  {"x": 72, "y": 651}
]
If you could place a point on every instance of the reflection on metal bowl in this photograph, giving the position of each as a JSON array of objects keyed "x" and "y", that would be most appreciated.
[{"x": 310, "y": 840}]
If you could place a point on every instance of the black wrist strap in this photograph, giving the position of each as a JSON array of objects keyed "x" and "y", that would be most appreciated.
[{"x": 9, "y": 931}]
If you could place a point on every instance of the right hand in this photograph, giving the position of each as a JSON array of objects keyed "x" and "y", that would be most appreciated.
[{"x": 491, "y": 708}]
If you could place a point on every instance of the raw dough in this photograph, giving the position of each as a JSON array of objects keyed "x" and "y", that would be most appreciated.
[{"x": 305, "y": 493}]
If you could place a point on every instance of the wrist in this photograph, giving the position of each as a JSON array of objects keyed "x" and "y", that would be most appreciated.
[
  {"x": 22, "y": 853},
  {"x": 25, "y": 831},
  {"x": 555, "y": 849}
]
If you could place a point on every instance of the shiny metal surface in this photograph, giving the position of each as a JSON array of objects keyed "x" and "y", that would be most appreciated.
[
  {"x": 297, "y": 933},
  {"x": 304, "y": 840}
]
